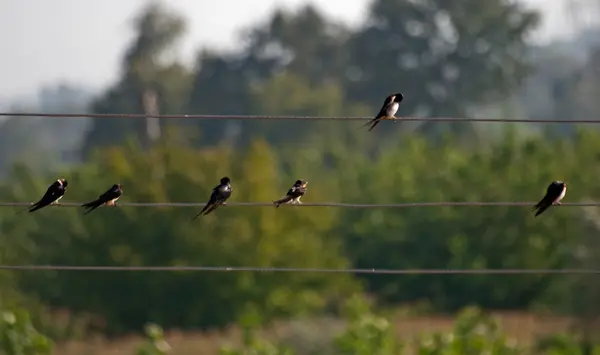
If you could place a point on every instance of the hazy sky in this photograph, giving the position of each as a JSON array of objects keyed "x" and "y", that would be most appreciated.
[{"x": 81, "y": 41}]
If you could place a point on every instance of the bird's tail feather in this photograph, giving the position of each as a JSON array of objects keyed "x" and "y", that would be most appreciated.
[
  {"x": 36, "y": 207},
  {"x": 90, "y": 204},
  {"x": 25, "y": 209},
  {"x": 373, "y": 126},
  {"x": 212, "y": 208},
  {"x": 286, "y": 199},
  {"x": 90, "y": 209},
  {"x": 203, "y": 209},
  {"x": 368, "y": 123},
  {"x": 541, "y": 210},
  {"x": 196, "y": 216}
]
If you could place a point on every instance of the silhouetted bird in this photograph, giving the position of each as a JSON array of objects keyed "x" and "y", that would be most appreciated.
[
  {"x": 219, "y": 195},
  {"x": 555, "y": 192},
  {"x": 108, "y": 198},
  {"x": 388, "y": 110}
]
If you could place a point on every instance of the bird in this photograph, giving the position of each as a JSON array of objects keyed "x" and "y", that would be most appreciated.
[
  {"x": 555, "y": 192},
  {"x": 109, "y": 198},
  {"x": 53, "y": 194},
  {"x": 294, "y": 193},
  {"x": 388, "y": 110},
  {"x": 219, "y": 195}
]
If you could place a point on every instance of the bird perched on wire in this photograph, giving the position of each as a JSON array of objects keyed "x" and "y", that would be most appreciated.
[
  {"x": 388, "y": 110},
  {"x": 109, "y": 198},
  {"x": 53, "y": 194},
  {"x": 294, "y": 193},
  {"x": 555, "y": 192},
  {"x": 220, "y": 194}
]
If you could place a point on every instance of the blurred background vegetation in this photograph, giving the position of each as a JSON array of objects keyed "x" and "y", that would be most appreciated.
[{"x": 449, "y": 58}]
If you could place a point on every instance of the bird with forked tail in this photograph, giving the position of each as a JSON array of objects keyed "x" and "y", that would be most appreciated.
[
  {"x": 219, "y": 195},
  {"x": 109, "y": 198},
  {"x": 53, "y": 194},
  {"x": 387, "y": 111},
  {"x": 294, "y": 193},
  {"x": 555, "y": 192}
]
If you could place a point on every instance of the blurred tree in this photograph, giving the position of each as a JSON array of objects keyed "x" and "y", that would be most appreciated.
[
  {"x": 146, "y": 66},
  {"x": 45, "y": 143},
  {"x": 305, "y": 43},
  {"x": 303, "y": 46},
  {"x": 220, "y": 86},
  {"x": 252, "y": 344},
  {"x": 19, "y": 337},
  {"x": 367, "y": 333},
  {"x": 583, "y": 89},
  {"x": 468, "y": 237},
  {"x": 474, "y": 333},
  {"x": 444, "y": 237},
  {"x": 444, "y": 55},
  {"x": 158, "y": 236},
  {"x": 155, "y": 342}
]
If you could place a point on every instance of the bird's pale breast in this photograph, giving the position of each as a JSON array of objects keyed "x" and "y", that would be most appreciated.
[
  {"x": 392, "y": 109},
  {"x": 112, "y": 202},
  {"x": 562, "y": 194}
]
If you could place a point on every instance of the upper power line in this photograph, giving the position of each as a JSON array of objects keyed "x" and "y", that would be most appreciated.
[
  {"x": 290, "y": 117},
  {"x": 322, "y": 204},
  {"x": 304, "y": 270}
]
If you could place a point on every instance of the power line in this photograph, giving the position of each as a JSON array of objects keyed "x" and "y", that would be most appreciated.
[
  {"x": 318, "y": 204},
  {"x": 304, "y": 270},
  {"x": 298, "y": 118}
]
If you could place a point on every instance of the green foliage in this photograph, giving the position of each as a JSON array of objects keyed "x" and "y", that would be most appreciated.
[
  {"x": 253, "y": 345},
  {"x": 19, "y": 337},
  {"x": 367, "y": 333},
  {"x": 465, "y": 237},
  {"x": 155, "y": 343},
  {"x": 565, "y": 344},
  {"x": 473, "y": 333},
  {"x": 515, "y": 169},
  {"x": 436, "y": 237},
  {"x": 146, "y": 67},
  {"x": 441, "y": 46},
  {"x": 269, "y": 237},
  {"x": 451, "y": 57}
]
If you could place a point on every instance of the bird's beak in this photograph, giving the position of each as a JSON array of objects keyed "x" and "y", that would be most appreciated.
[{"x": 305, "y": 183}]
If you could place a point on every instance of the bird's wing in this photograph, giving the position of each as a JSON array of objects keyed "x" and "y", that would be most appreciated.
[
  {"x": 291, "y": 191},
  {"x": 554, "y": 191},
  {"x": 383, "y": 112},
  {"x": 224, "y": 193},
  {"x": 109, "y": 195},
  {"x": 214, "y": 197},
  {"x": 547, "y": 199},
  {"x": 51, "y": 193}
]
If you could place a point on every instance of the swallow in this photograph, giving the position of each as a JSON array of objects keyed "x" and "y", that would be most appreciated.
[
  {"x": 220, "y": 194},
  {"x": 555, "y": 192},
  {"x": 109, "y": 198},
  {"x": 388, "y": 110},
  {"x": 294, "y": 193},
  {"x": 53, "y": 194}
]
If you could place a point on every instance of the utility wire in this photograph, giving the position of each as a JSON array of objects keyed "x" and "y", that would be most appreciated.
[
  {"x": 316, "y": 204},
  {"x": 304, "y": 270},
  {"x": 298, "y": 118}
]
